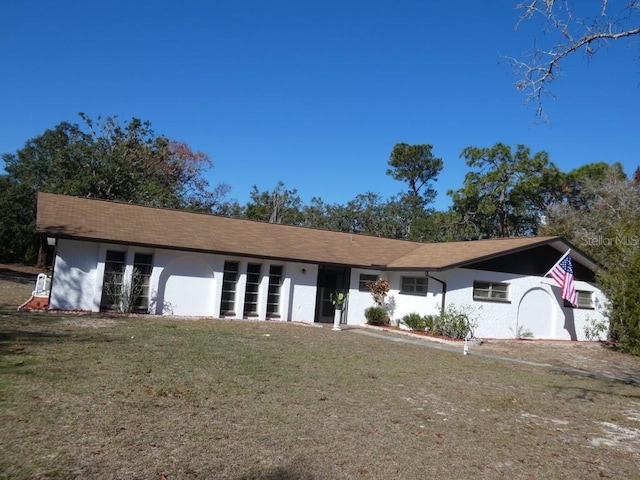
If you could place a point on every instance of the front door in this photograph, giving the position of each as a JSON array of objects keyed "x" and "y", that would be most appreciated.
[{"x": 330, "y": 279}]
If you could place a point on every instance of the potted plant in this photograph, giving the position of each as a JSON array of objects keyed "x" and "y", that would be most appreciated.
[{"x": 338, "y": 300}]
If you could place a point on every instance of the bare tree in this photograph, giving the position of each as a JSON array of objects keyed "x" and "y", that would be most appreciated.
[
  {"x": 121, "y": 294},
  {"x": 570, "y": 27}
]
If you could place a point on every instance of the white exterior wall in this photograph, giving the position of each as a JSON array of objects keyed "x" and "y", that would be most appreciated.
[
  {"x": 503, "y": 319},
  {"x": 534, "y": 303},
  {"x": 75, "y": 273},
  {"x": 358, "y": 301},
  {"x": 397, "y": 304},
  {"x": 181, "y": 283},
  {"x": 302, "y": 304},
  {"x": 401, "y": 304},
  {"x": 190, "y": 284}
]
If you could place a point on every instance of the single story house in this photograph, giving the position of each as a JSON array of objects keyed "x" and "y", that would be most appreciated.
[{"x": 192, "y": 264}]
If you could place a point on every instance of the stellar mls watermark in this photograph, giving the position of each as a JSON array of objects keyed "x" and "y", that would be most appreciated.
[{"x": 611, "y": 241}]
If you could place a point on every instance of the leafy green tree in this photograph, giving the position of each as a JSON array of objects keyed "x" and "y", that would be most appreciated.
[
  {"x": 580, "y": 185},
  {"x": 507, "y": 193},
  {"x": 17, "y": 242},
  {"x": 605, "y": 223},
  {"x": 366, "y": 213},
  {"x": 416, "y": 165},
  {"x": 595, "y": 207},
  {"x": 130, "y": 162},
  {"x": 105, "y": 159},
  {"x": 280, "y": 205},
  {"x": 334, "y": 217},
  {"x": 438, "y": 226},
  {"x": 315, "y": 215},
  {"x": 621, "y": 283}
]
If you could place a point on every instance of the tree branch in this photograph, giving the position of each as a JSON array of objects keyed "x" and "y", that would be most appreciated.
[{"x": 541, "y": 66}]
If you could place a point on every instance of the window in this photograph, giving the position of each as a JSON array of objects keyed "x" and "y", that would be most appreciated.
[
  {"x": 584, "y": 299},
  {"x": 229, "y": 281},
  {"x": 491, "y": 291},
  {"x": 273, "y": 296},
  {"x": 414, "y": 285},
  {"x": 142, "y": 265},
  {"x": 364, "y": 279},
  {"x": 113, "y": 280},
  {"x": 251, "y": 292}
]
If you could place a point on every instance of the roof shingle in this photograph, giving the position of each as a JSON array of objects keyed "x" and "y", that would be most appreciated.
[{"x": 114, "y": 222}]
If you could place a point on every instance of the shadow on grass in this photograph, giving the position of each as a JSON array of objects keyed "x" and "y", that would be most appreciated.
[
  {"x": 584, "y": 394},
  {"x": 13, "y": 340},
  {"x": 615, "y": 374},
  {"x": 295, "y": 470},
  {"x": 20, "y": 330},
  {"x": 621, "y": 375}
]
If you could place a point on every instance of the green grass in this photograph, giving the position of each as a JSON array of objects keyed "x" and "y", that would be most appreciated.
[{"x": 122, "y": 398}]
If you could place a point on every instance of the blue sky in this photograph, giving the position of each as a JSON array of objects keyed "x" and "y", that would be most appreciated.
[{"x": 312, "y": 93}]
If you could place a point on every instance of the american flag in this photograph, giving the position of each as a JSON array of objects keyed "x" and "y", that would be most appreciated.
[{"x": 562, "y": 273}]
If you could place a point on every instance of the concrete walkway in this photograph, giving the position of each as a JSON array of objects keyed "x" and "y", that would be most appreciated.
[{"x": 458, "y": 346}]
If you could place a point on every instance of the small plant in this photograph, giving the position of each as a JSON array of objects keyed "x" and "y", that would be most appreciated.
[
  {"x": 338, "y": 298},
  {"x": 379, "y": 290},
  {"x": 594, "y": 329},
  {"x": 415, "y": 322},
  {"x": 522, "y": 332},
  {"x": 376, "y": 316}
]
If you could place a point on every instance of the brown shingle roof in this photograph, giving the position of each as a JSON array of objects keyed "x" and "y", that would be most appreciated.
[
  {"x": 450, "y": 254},
  {"x": 97, "y": 220}
]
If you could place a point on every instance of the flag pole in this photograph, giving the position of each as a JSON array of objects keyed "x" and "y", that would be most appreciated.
[{"x": 555, "y": 264}]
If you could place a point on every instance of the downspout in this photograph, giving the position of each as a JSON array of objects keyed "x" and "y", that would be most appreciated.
[
  {"x": 54, "y": 244},
  {"x": 444, "y": 291}
]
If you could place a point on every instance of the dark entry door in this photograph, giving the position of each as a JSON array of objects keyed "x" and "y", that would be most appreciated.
[{"x": 330, "y": 279}]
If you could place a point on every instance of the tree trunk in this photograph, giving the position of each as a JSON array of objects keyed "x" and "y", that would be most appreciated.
[{"x": 42, "y": 253}]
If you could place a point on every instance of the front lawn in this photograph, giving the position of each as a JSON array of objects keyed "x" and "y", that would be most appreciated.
[{"x": 124, "y": 398}]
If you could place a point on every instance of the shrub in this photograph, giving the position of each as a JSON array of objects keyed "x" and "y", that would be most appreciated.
[
  {"x": 595, "y": 329},
  {"x": 453, "y": 323},
  {"x": 415, "y": 322},
  {"x": 430, "y": 321},
  {"x": 376, "y": 316}
]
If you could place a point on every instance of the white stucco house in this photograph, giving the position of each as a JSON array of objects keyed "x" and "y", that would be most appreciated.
[{"x": 193, "y": 264}]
